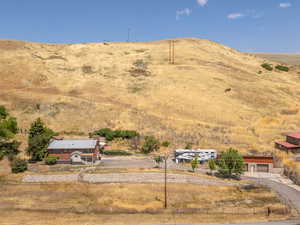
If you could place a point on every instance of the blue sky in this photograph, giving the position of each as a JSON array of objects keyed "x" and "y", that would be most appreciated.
[{"x": 247, "y": 25}]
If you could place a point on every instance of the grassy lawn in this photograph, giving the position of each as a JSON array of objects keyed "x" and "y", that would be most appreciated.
[{"x": 79, "y": 203}]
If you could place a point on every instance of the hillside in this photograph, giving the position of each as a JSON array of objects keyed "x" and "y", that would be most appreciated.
[
  {"x": 78, "y": 88},
  {"x": 293, "y": 59}
]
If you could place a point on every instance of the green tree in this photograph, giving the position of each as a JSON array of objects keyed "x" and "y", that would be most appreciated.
[
  {"x": 212, "y": 165},
  {"x": 18, "y": 165},
  {"x": 38, "y": 140},
  {"x": 8, "y": 130},
  {"x": 158, "y": 159},
  {"x": 110, "y": 134},
  {"x": 231, "y": 163},
  {"x": 151, "y": 144},
  {"x": 194, "y": 163}
]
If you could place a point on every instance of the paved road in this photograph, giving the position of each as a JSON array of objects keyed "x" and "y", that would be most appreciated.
[{"x": 291, "y": 195}]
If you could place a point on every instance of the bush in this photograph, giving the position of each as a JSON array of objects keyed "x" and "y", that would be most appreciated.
[
  {"x": 158, "y": 159},
  {"x": 140, "y": 64},
  {"x": 282, "y": 68},
  {"x": 117, "y": 152},
  {"x": 166, "y": 144},
  {"x": 267, "y": 66},
  {"x": 51, "y": 160},
  {"x": 189, "y": 146},
  {"x": 194, "y": 164},
  {"x": 112, "y": 134},
  {"x": 151, "y": 144},
  {"x": 18, "y": 165},
  {"x": 212, "y": 165}
]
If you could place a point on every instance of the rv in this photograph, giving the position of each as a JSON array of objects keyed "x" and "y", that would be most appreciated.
[{"x": 187, "y": 155}]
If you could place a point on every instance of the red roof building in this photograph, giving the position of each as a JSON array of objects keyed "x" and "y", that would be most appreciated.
[
  {"x": 258, "y": 164},
  {"x": 292, "y": 143}
]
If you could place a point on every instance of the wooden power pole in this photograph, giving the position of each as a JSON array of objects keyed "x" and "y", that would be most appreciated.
[
  {"x": 171, "y": 52},
  {"x": 166, "y": 196}
]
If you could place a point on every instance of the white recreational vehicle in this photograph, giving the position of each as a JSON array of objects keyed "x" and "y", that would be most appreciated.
[{"x": 186, "y": 155}]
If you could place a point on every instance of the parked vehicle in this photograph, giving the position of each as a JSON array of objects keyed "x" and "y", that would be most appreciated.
[{"x": 187, "y": 155}]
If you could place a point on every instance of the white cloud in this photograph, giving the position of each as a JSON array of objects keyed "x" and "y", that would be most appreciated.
[
  {"x": 202, "y": 2},
  {"x": 235, "y": 15},
  {"x": 285, "y": 5},
  {"x": 182, "y": 12}
]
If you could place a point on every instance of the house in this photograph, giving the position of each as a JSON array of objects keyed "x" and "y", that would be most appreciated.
[
  {"x": 292, "y": 143},
  {"x": 259, "y": 164},
  {"x": 75, "y": 151}
]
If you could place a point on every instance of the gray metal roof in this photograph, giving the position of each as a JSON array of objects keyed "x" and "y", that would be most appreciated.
[{"x": 73, "y": 144}]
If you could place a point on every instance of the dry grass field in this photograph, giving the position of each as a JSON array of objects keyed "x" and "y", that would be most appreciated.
[
  {"x": 78, "y": 88},
  {"x": 70, "y": 203}
]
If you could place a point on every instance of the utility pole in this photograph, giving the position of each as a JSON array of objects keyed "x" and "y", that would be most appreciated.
[
  {"x": 172, "y": 52},
  {"x": 166, "y": 199}
]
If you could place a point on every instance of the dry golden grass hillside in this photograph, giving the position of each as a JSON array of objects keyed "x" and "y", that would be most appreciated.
[{"x": 78, "y": 88}]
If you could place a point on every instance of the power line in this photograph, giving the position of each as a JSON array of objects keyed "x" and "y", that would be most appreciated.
[{"x": 128, "y": 35}]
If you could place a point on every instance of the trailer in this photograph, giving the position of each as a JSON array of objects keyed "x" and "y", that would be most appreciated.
[{"x": 187, "y": 155}]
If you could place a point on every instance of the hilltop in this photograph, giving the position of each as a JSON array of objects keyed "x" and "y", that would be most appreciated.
[
  {"x": 77, "y": 88},
  {"x": 293, "y": 59}
]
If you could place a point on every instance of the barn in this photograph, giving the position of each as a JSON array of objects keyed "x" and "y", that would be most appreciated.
[
  {"x": 75, "y": 151},
  {"x": 291, "y": 144}
]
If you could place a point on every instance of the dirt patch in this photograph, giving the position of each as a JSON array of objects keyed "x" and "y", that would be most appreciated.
[{"x": 7, "y": 45}]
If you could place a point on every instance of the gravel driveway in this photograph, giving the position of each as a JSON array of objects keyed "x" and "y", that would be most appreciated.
[
  {"x": 126, "y": 178},
  {"x": 150, "y": 178}
]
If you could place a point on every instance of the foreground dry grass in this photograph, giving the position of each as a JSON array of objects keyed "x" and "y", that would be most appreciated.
[
  {"x": 133, "y": 203},
  {"x": 291, "y": 166}
]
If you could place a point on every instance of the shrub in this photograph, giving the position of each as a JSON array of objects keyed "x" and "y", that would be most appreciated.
[
  {"x": 51, "y": 160},
  {"x": 18, "y": 165},
  {"x": 151, "y": 144},
  {"x": 140, "y": 64},
  {"x": 194, "y": 163},
  {"x": 282, "y": 68},
  {"x": 166, "y": 144},
  {"x": 189, "y": 146},
  {"x": 158, "y": 159},
  {"x": 117, "y": 152},
  {"x": 212, "y": 165},
  {"x": 267, "y": 66},
  {"x": 112, "y": 134}
]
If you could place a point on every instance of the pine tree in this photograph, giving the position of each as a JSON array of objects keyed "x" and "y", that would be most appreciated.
[{"x": 38, "y": 140}]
